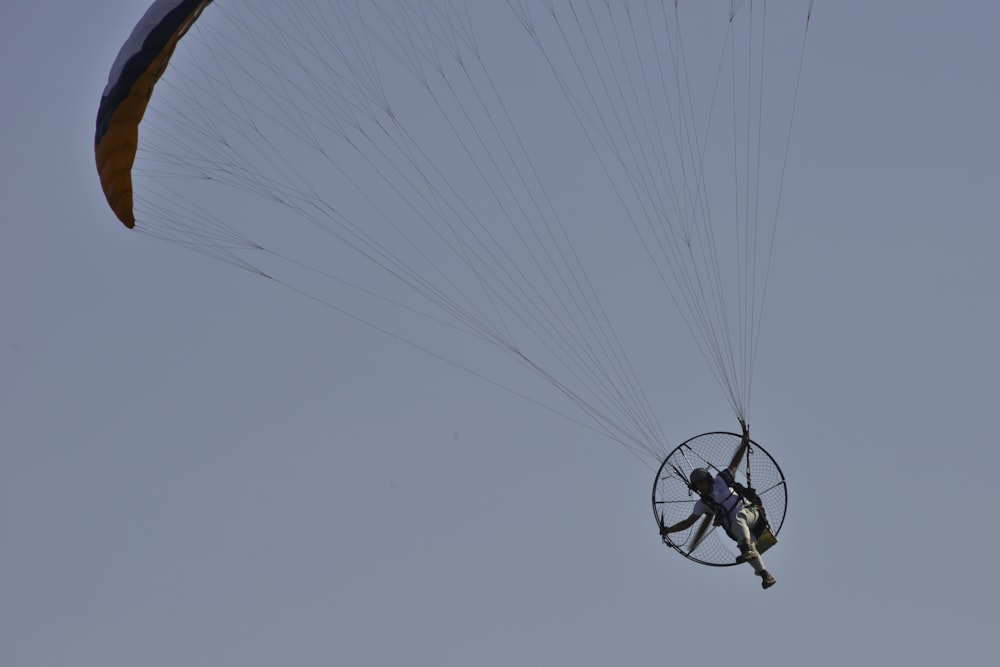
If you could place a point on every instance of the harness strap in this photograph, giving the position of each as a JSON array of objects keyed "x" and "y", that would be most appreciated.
[{"x": 722, "y": 516}]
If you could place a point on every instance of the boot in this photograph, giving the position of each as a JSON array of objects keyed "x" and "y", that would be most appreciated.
[{"x": 766, "y": 580}]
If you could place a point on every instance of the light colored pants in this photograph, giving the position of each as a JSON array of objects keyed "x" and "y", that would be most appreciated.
[{"x": 739, "y": 529}]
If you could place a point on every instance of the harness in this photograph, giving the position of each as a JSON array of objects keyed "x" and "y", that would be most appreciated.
[{"x": 745, "y": 494}]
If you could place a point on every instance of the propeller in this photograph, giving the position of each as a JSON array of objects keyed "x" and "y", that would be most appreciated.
[
  {"x": 699, "y": 534},
  {"x": 734, "y": 463}
]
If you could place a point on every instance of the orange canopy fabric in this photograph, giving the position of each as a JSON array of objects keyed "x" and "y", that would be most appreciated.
[{"x": 139, "y": 65}]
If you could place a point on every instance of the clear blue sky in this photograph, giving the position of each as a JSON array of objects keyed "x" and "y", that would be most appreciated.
[{"x": 198, "y": 467}]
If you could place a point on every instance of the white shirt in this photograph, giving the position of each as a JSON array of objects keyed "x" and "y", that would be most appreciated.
[{"x": 729, "y": 503}]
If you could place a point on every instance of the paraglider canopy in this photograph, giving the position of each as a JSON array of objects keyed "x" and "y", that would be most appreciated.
[{"x": 139, "y": 65}]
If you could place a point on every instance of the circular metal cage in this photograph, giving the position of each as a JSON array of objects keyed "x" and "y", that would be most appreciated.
[{"x": 673, "y": 500}]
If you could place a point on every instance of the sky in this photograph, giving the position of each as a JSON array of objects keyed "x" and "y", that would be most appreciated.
[{"x": 199, "y": 467}]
